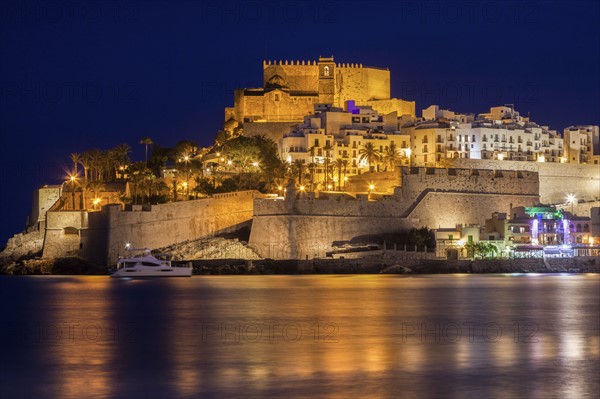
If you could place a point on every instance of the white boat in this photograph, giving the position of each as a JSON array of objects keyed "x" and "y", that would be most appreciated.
[{"x": 148, "y": 265}]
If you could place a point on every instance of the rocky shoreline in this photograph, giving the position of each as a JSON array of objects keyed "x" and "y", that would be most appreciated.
[{"x": 382, "y": 264}]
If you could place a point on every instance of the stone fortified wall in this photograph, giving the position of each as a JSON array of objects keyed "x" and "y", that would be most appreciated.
[
  {"x": 43, "y": 199},
  {"x": 556, "y": 179},
  {"x": 100, "y": 237},
  {"x": 302, "y": 225},
  {"x": 354, "y": 82}
]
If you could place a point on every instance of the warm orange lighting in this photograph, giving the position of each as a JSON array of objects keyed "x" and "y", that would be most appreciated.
[
  {"x": 279, "y": 188},
  {"x": 500, "y": 157},
  {"x": 96, "y": 201},
  {"x": 229, "y": 162},
  {"x": 302, "y": 188},
  {"x": 255, "y": 164},
  {"x": 329, "y": 186},
  {"x": 371, "y": 187},
  {"x": 185, "y": 184},
  {"x": 541, "y": 158}
]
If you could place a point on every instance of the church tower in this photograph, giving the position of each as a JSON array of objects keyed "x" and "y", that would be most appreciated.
[{"x": 326, "y": 80}]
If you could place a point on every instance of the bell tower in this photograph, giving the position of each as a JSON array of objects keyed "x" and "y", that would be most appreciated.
[{"x": 326, "y": 80}]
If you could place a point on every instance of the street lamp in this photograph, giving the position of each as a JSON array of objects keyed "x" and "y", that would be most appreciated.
[
  {"x": 96, "y": 201},
  {"x": 408, "y": 151}
]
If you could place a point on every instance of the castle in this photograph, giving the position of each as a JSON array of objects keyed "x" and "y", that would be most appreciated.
[
  {"x": 291, "y": 90},
  {"x": 319, "y": 112}
]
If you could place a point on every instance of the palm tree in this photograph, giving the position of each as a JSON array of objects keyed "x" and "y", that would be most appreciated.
[
  {"x": 121, "y": 155},
  {"x": 146, "y": 141},
  {"x": 85, "y": 162},
  {"x": 299, "y": 169},
  {"x": 391, "y": 156},
  {"x": 76, "y": 159},
  {"x": 340, "y": 165},
  {"x": 327, "y": 150},
  {"x": 370, "y": 154}
]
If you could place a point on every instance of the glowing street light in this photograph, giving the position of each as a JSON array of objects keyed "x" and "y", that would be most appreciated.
[
  {"x": 302, "y": 188},
  {"x": 96, "y": 201},
  {"x": 371, "y": 187}
]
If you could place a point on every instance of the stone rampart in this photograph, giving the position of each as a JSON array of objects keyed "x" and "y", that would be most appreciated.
[
  {"x": 63, "y": 232},
  {"x": 100, "y": 237},
  {"x": 301, "y": 225},
  {"x": 556, "y": 179},
  {"x": 166, "y": 224}
]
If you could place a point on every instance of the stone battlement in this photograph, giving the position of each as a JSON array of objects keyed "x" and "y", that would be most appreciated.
[{"x": 267, "y": 63}]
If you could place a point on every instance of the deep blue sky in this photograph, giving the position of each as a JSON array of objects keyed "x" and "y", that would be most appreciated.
[{"x": 77, "y": 75}]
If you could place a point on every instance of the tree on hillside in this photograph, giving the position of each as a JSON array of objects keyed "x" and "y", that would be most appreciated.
[
  {"x": 221, "y": 138},
  {"x": 370, "y": 154},
  {"x": 298, "y": 170},
  {"x": 146, "y": 141},
  {"x": 340, "y": 166},
  {"x": 391, "y": 156},
  {"x": 76, "y": 159}
]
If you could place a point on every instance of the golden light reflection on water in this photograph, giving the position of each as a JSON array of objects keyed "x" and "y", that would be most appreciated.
[
  {"x": 84, "y": 346},
  {"x": 227, "y": 336}
]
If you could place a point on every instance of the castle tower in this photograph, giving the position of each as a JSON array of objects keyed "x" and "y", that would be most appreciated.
[{"x": 326, "y": 80}]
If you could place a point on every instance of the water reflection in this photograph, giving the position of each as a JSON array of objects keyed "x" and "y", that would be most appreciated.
[{"x": 306, "y": 336}]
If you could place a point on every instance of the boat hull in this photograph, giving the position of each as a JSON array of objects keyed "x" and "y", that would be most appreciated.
[{"x": 154, "y": 272}]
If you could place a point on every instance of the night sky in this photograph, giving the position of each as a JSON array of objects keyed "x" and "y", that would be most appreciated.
[{"x": 77, "y": 75}]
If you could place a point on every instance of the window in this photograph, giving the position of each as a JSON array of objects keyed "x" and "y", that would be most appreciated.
[
  {"x": 470, "y": 239},
  {"x": 450, "y": 237},
  {"x": 316, "y": 142},
  {"x": 326, "y": 71},
  {"x": 473, "y": 138}
]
